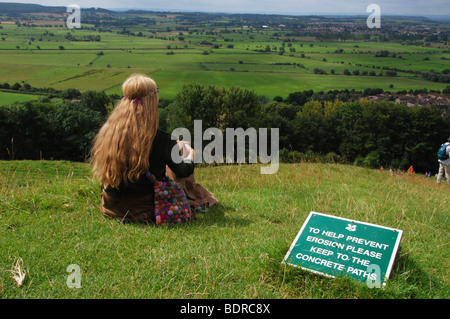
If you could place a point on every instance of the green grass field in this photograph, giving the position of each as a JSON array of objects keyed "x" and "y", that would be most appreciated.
[
  {"x": 10, "y": 98},
  {"x": 33, "y": 56},
  {"x": 49, "y": 218}
]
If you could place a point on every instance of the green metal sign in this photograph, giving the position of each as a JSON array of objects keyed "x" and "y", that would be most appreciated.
[{"x": 335, "y": 246}]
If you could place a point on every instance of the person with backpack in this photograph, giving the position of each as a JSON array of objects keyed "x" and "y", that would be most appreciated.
[{"x": 444, "y": 162}]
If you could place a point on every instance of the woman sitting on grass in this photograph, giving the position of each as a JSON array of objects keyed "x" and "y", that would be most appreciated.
[{"x": 129, "y": 145}]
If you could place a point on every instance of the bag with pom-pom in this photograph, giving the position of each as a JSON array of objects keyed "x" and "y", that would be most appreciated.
[{"x": 171, "y": 203}]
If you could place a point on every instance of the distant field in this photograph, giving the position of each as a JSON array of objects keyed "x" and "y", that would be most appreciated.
[
  {"x": 9, "y": 98},
  {"x": 273, "y": 84},
  {"x": 33, "y": 55}
]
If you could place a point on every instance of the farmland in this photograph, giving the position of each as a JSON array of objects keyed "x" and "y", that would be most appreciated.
[
  {"x": 7, "y": 97},
  {"x": 223, "y": 50}
]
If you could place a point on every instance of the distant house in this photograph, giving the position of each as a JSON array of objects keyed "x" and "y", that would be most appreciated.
[
  {"x": 433, "y": 99},
  {"x": 357, "y": 96},
  {"x": 379, "y": 97},
  {"x": 442, "y": 100},
  {"x": 405, "y": 99}
]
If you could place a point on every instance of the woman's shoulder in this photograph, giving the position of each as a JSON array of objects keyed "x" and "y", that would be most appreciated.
[
  {"x": 161, "y": 134},
  {"x": 163, "y": 141}
]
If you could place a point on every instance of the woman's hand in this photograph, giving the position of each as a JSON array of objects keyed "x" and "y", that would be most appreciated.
[{"x": 186, "y": 150}]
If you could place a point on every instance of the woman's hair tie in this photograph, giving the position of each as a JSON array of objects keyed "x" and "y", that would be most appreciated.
[{"x": 140, "y": 98}]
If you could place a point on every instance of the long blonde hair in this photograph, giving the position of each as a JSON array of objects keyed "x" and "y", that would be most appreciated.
[{"x": 121, "y": 149}]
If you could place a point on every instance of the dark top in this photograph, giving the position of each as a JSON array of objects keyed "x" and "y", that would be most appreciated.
[{"x": 160, "y": 156}]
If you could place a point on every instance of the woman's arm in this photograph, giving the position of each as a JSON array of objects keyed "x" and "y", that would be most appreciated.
[{"x": 186, "y": 167}]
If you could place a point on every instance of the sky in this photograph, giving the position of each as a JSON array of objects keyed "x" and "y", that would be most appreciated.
[{"x": 294, "y": 7}]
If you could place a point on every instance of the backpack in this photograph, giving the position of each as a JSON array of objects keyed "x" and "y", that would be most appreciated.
[{"x": 442, "y": 153}]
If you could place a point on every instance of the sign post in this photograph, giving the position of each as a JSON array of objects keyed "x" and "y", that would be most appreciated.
[{"x": 335, "y": 246}]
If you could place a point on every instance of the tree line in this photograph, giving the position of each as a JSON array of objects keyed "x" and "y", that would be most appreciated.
[
  {"x": 43, "y": 130},
  {"x": 362, "y": 133}
]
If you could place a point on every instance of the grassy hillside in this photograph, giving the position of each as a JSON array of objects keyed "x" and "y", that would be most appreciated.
[{"x": 49, "y": 218}]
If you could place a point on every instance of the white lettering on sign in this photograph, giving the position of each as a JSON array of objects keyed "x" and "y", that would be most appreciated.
[
  {"x": 320, "y": 261},
  {"x": 363, "y": 262},
  {"x": 325, "y": 242},
  {"x": 332, "y": 234},
  {"x": 363, "y": 241},
  {"x": 321, "y": 251},
  {"x": 336, "y": 249},
  {"x": 362, "y": 273},
  {"x": 363, "y": 251},
  {"x": 343, "y": 256}
]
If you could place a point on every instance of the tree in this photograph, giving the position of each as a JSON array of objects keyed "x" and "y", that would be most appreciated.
[
  {"x": 74, "y": 126},
  {"x": 70, "y": 94},
  {"x": 241, "y": 108},
  {"x": 16, "y": 86},
  {"x": 319, "y": 71},
  {"x": 382, "y": 54},
  {"x": 215, "y": 106},
  {"x": 446, "y": 91},
  {"x": 315, "y": 128},
  {"x": 390, "y": 73},
  {"x": 297, "y": 98},
  {"x": 280, "y": 99},
  {"x": 282, "y": 116},
  {"x": 96, "y": 101},
  {"x": 195, "y": 102},
  {"x": 427, "y": 128},
  {"x": 349, "y": 131},
  {"x": 25, "y": 131}
]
